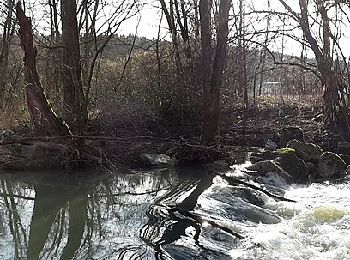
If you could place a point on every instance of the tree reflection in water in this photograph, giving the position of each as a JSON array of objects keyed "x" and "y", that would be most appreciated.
[
  {"x": 75, "y": 217},
  {"x": 167, "y": 216}
]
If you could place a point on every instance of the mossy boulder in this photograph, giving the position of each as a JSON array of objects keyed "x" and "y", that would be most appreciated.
[
  {"x": 285, "y": 151},
  {"x": 306, "y": 151},
  {"x": 292, "y": 164},
  {"x": 330, "y": 165}
]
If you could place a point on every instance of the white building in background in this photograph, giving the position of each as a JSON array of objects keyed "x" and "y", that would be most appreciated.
[{"x": 271, "y": 88}]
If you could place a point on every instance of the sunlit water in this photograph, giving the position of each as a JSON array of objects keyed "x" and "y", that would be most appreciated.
[
  {"x": 170, "y": 214},
  {"x": 316, "y": 227}
]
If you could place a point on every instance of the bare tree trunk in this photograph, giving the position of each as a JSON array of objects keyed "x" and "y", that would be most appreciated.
[
  {"x": 7, "y": 34},
  {"x": 242, "y": 75},
  {"x": 74, "y": 109},
  {"x": 213, "y": 85},
  {"x": 263, "y": 51},
  {"x": 52, "y": 71},
  {"x": 254, "y": 89},
  {"x": 204, "y": 12},
  {"x": 171, "y": 20}
]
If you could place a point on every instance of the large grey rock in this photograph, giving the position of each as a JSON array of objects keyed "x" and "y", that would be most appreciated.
[
  {"x": 254, "y": 159},
  {"x": 306, "y": 151},
  {"x": 345, "y": 158},
  {"x": 330, "y": 165},
  {"x": 264, "y": 167},
  {"x": 157, "y": 159},
  {"x": 289, "y": 133},
  {"x": 312, "y": 168}
]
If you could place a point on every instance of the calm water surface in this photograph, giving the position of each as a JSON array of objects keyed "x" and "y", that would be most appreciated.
[{"x": 170, "y": 214}]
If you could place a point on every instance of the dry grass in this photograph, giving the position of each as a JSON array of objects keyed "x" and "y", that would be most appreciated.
[
  {"x": 300, "y": 101},
  {"x": 10, "y": 120}
]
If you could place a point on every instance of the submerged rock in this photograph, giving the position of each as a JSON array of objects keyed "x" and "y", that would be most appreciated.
[
  {"x": 221, "y": 163},
  {"x": 330, "y": 165},
  {"x": 236, "y": 203},
  {"x": 306, "y": 151},
  {"x": 326, "y": 214}
]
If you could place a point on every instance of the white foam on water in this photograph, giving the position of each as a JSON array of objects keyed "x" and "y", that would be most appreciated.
[{"x": 316, "y": 227}]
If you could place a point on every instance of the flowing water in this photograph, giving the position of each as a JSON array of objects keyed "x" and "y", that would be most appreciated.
[{"x": 171, "y": 214}]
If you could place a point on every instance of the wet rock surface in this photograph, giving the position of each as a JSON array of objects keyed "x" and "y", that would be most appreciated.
[
  {"x": 330, "y": 165},
  {"x": 289, "y": 161},
  {"x": 264, "y": 167},
  {"x": 158, "y": 159},
  {"x": 305, "y": 151},
  {"x": 299, "y": 162}
]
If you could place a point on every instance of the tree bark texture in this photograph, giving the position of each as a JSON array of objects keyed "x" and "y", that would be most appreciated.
[
  {"x": 212, "y": 78},
  {"x": 44, "y": 120},
  {"x": 73, "y": 102}
]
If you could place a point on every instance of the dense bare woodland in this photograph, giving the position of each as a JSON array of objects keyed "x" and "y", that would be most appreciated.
[{"x": 210, "y": 66}]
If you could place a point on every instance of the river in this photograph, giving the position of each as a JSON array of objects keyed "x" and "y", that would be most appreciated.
[{"x": 182, "y": 213}]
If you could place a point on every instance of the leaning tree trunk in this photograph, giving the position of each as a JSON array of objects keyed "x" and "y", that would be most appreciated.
[{"x": 44, "y": 120}]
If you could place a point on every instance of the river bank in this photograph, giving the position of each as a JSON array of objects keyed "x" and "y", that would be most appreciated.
[{"x": 113, "y": 141}]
